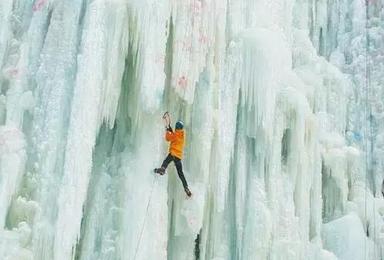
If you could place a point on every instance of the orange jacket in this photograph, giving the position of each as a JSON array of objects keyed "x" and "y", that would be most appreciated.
[{"x": 177, "y": 142}]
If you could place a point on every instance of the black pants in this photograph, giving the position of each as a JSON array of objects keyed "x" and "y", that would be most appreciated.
[{"x": 179, "y": 167}]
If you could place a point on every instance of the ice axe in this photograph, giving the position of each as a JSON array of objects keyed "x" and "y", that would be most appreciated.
[{"x": 167, "y": 120}]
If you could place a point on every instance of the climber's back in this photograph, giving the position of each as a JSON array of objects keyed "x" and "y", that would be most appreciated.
[{"x": 176, "y": 140}]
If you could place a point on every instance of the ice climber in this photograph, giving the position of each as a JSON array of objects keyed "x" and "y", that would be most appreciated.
[{"x": 176, "y": 139}]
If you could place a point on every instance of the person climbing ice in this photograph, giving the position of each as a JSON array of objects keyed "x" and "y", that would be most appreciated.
[{"x": 176, "y": 139}]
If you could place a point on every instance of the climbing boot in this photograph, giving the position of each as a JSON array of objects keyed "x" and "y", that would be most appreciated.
[
  {"x": 188, "y": 192},
  {"x": 160, "y": 171}
]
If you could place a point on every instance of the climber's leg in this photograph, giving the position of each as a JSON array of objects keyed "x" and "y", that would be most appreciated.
[
  {"x": 179, "y": 168},
  {"x": 164, "y": 165}
]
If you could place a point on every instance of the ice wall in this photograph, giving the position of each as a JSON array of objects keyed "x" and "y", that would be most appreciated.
[{"x": 283, "y": 106}]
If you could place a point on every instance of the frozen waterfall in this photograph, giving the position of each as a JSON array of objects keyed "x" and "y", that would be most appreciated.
[{"x": 283, "y": 104}]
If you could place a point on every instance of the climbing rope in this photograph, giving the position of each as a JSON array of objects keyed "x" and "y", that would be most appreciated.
[
  {"x": 366, "y": 128},
  {"x": 368, "y": 115},
  {"x": 145, "y": 216},
  {"x": 167, "y": 121},
  {"x": 369, "y": 95}
]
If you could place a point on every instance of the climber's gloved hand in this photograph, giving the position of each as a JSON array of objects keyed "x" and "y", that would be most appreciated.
[{"x": 169, "y": 128}]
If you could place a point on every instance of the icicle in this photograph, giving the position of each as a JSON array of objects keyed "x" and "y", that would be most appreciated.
[
  {"x": 12, "y": 163},
  {"x": 149, "y": 39}
]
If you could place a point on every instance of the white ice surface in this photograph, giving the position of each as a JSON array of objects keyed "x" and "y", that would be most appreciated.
[{"x": 284, "y": 131}]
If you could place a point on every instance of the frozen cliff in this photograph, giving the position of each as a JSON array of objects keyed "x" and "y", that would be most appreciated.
[{"x": 283, "y": 103}]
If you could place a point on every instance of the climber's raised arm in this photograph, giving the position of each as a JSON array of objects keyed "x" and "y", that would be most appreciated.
[{"x": 170, "y": 135}]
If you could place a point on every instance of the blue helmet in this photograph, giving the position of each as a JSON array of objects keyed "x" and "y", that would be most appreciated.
[{"x": 179, "y": 125}]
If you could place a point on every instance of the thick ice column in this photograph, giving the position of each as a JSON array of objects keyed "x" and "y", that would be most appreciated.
[
  {"x": 12, "y": 163},
  {"x": 87, "y": 113},
  {"x": 319, "y": 20},
  {"x": 301, "y": 169},
  {"x": 257, "y": 224},
  {"x": 194, "y": 26},
  {"x": 149, "y": 39},
  {"x": 296, "y": 153},
  {"x": 259, "y": 85},
  {"x": 222, "y": 154},
  {"x": 227, "y": 108},
  {"x": 103, "y": 211},
  {"x": 327, "y": 92},
  {"x": 144, "y": 224},
  {"x": 209, "y": 114},
  {"x": 54, "y": 85},
  {"x": 116, "y": 36},
  {"x": 188, "y": 214},
  {"x": 18, "y": 101},
  {"x": 363, "y": 203},
  {"x": 344, "y": 173},
  {"x": 15, "y": 103},
  {"x": 335, "y": 182},
  {"x": 14, "y": 80},
  {"x": 39, "y": 22},
  {"x": 315, "y": 195},
  {"x": 5, "y": 13}
]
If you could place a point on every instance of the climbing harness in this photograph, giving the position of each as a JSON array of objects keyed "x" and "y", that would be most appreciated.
[{"x": 145, "y": 217}]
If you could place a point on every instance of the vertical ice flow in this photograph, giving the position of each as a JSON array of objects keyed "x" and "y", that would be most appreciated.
[{"x": 283, "y": 107}]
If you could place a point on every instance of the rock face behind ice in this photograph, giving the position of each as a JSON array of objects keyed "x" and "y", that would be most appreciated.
[{"x": 284, "y": 131}]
